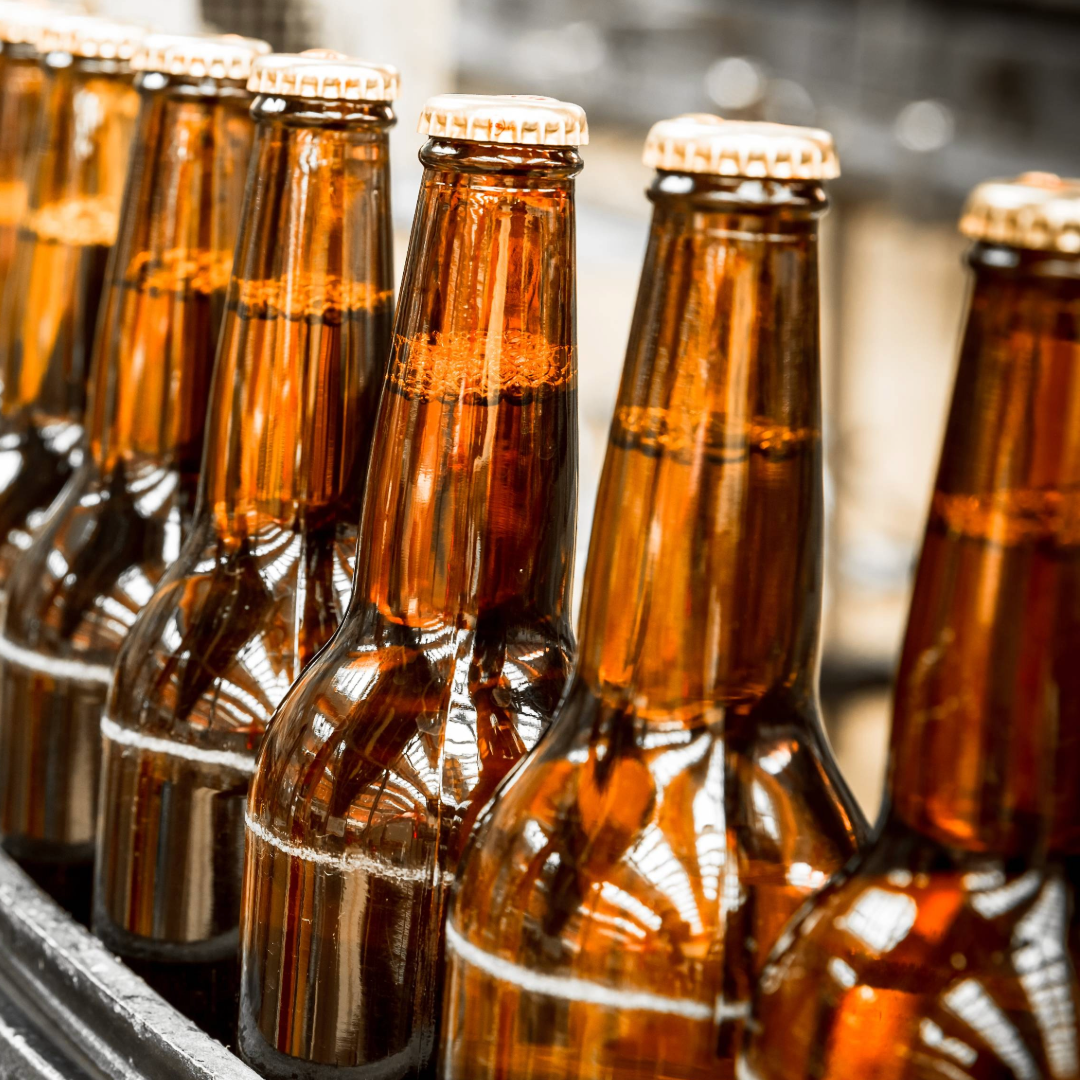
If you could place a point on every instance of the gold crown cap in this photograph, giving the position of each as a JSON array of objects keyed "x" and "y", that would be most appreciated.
[
  {"x": 1040, "y": 211},
  {"x": 702, "y": 143},
  {"x": 23, "y": 23},
  {"x": 518, "y": 119},
  {"x": 202, "y": 56},
  {"x": 323, "y": 73},
  {"x": 91, "y": 37}
]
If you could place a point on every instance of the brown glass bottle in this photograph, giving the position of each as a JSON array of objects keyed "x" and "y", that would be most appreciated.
[
  {"x": 122, "y": 517},
  {"x": 266, "y": 574},
  {"x": 457, "y": 643},
  {"x": 22, "y": 83},
  {"x": 49, "y": 308},
  {"x": 685, "y": 803},
  {"x": 941, "y": 951}
]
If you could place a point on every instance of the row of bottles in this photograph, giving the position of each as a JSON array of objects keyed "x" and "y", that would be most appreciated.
[{"x": 289, "y": 513}]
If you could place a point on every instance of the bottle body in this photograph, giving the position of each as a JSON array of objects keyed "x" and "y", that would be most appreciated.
[
  {"x": 640, "y": 865},
  {"x": 944, "y": 944},
  {"x": 22, "y": 84},
  {"x": 266, "y": 573},
  {"x": 457, "y": 643},
  {"x": 49, "y": 308}
]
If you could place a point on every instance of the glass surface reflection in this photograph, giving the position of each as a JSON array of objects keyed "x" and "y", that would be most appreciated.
[{"x": 939, "y": 965}]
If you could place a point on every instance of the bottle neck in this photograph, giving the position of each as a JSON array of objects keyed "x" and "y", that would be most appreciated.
[
  {"x": 49, "y": 312},
  {"x": 986, "y": 696},
  {"x": 472, "y": 504},
  {"x": 21, "y": 84},
  {"x": 170, "y": 270},
  {"x": 704, "y": 580},
  {"x": 307, "y": 322}
]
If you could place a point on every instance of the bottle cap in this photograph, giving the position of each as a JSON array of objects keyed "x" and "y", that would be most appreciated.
[
  {"x": 323, "y": 73},
  {"x": 511, "y": 118},
  {"x": 91, "y": 37},
  {"x": 213, "y": 56},
  {"x": 23, "y": 23},
  {"x": 1040, "y": 211},
  {"x": 701, "y": 143}
]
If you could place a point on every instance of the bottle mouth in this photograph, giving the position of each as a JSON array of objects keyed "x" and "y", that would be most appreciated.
[
  {"x": 987, "y": 257},
  {"x": 323, "y": 113},
  {"x": 739, "y": 194},
  {"x": 556, "y": 163}
]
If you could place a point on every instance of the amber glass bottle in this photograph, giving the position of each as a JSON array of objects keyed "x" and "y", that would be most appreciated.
[
  {"x": 121, "y": 519},
  {"x": 263, "y": 579},
  {"x": 941, "y": 952},
  {"x": 49, "y": 308},
  {"x": 685, "y": 803},
  {"x": 22, "y": 83},
  {"x": 457, "y": 643}
]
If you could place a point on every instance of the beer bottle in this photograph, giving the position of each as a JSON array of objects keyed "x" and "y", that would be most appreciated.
[
  {"x": 457, "y": 643},
  {"x": 262, "y": 581},
  {"x": 22, "y": 83},
  {"x": 643, "y": 861},
  {"x": 941, "y": 951},
  {"x": 49, "y": 309},
  {"x": 120, "y": 520}
]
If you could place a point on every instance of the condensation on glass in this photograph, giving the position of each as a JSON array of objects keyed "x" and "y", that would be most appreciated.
[
  {"x": 942, "y": 950},
  {"x": 457, "y": 644},
  {"x": 48, "y": 315},
  {"x": 266, "y": 573},
  {"x": 623, "y": 894}
]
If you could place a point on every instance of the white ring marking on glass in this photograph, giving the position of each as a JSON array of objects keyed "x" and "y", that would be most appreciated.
[
  {"x": 571, "y": 989},
  {"x": 348, "y": 862},
  {"x": 58, "y": 668},
  {"x": 230, "y": 759}
]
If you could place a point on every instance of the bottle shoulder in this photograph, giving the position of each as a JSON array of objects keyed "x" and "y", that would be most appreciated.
[
  {"x": 95, "y": 559},
  {"x": 229, "y": 628},
  {"x": 34, "y": 467},
  {"x": 933, "y": 959},
  {"x": 377, "y": 731},
  {"x": 662, "y": 848}
]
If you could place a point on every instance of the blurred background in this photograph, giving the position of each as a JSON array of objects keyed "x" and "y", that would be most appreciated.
[{"x": 924, "y": 97}]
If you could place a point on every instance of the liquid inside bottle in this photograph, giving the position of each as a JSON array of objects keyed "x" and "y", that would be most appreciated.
[
  {"x": 48, "y": 315},
  {"x": 457, "y": 644},
  {"x": 641, "y": 864},
  {"x": 263, "y": 580},
  {"x": 942, "y": 950},
  {"x": 22, "y": 83}
]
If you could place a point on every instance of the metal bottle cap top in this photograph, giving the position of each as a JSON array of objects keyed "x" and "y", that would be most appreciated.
[
  {"x": 493, "y": 118},
  {"x": 1040, "y": 211},
  {"x": 214, "y": 56},
  {"x": 91, "y": 37},
  {"x": 325, "y": 74},
  {"x": 23, "y": 23},
  {"x": 702, "y": 143}
]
